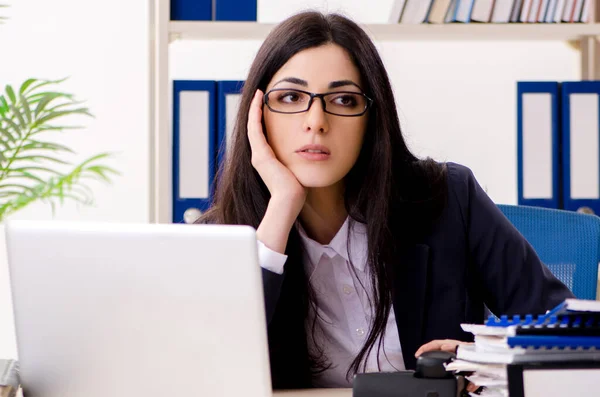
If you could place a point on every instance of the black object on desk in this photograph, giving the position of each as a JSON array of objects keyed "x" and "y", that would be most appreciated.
[{"x": 430, "y": 379}]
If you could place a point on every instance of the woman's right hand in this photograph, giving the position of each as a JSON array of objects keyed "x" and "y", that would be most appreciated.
[
  {"x": 280, "y": 181},
  {"x": 287, "y": 194}
]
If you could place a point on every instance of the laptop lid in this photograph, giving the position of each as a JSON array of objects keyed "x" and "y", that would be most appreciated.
[{"x": 138, "y": 310}]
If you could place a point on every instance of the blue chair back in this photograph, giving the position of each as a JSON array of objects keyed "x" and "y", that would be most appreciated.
[{"x": 567, "y": 242}]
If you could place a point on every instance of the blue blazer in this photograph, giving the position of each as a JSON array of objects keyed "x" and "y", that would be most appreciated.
[{"x": 472, "y": 257}]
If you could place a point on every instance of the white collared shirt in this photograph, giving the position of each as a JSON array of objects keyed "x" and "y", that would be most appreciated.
[{"x": 345, "y": 313}]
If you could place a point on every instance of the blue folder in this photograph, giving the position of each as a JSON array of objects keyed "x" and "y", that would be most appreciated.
[
  {"x": 225, "y": 89},
  {"x": 191, "y": 10},
  {"x": 235, "y": 10},
  {"x": 581, "y": 132},
  {"x": 538, "y": 144},
  {"x": 549, "y": 342},
  {"x": 190, "y": 191}
]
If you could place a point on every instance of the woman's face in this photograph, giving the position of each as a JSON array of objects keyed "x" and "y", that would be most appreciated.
[{"x": 319, "y": 148}]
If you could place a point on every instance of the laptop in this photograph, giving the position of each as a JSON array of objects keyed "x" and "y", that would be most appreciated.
[{"x": 138, "y": 310}]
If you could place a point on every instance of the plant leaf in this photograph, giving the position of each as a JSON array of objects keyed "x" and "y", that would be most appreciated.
[
  {"x": 28, "y": 169},
  {"x": 8, "y": 193},
  {"x": 96, "y": 157},
  {"x": 27, "y": 175},
  {"x": 63, "y": 105},
  {"x": 3, "y": 105},
  {"x": 40, "y": 158},
  {"x": 26, "y": 109},
  {"x": 11, "y": 94},
  {"x": 59, "y": 114},
  {"x": 54, "y": 128},
  {"x": 25, "y": 85},
  {"x": 35, "y": 98},
  {"x": 15, "y": 128},
  {"x": 45, "y": 100},
  {"x": 33, "y": 144},
  {"x": 19, "y": 116},
  {"x": 22, "y": 189},
  {"x": 6, "y": 133},
  {"x": 43, "y": 83}
]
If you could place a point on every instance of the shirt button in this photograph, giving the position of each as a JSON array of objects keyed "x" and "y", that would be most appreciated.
[
  {"x": 360, "y": 331},
  {"x": 347, "y": 289}
]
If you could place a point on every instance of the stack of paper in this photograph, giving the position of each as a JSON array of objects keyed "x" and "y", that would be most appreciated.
[{"x": 568, "y": 333}]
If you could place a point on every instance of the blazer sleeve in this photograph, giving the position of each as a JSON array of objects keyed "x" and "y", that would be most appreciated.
[
  {"x": 272, "y": 289},
  {"x": 512, "y": 278},
  {"x": 272, "y": 264}
]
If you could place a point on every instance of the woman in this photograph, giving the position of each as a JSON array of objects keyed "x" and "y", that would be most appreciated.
[{"x": 369, "y": 254}]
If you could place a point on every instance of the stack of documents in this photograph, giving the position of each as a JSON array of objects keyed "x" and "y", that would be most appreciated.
[{"x": 570, "y": 333}]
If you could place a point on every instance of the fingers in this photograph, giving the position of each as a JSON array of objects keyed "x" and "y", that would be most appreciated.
[
  {"x": 471, "y": 388},
  {"x": 258, "y": 143},
  {"x": 447, "y": 345},
  {"x": 437, "y": 344}
]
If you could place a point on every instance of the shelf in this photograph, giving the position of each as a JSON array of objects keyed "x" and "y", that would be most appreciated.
[{"x": 201, "y": 30}]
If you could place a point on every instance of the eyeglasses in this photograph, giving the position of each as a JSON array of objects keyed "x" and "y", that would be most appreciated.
[{"x": 339, "y": 103}]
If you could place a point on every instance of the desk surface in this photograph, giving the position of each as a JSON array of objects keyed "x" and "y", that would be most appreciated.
[
  {"x": 315, "y": 393},
  {"x": 298, "y": 393}
]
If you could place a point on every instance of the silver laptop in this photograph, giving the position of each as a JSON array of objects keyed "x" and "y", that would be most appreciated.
[{"x": 138, "y": 310}]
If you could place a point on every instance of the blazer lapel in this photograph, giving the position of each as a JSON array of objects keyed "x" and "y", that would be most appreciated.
[{"x": 409, "y": 276}]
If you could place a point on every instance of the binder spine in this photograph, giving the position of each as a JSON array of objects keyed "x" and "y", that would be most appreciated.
[
  {"x": 581, "y": 173},
  {"x": 193, "y": 189},
  {"x": 191, "y": 10},
  {"x": 236, "y": 10},
  {"x": 530, "y": 170}
]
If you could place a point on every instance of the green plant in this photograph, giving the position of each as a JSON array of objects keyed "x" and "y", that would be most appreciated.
[{"x": 31, "y": 167}]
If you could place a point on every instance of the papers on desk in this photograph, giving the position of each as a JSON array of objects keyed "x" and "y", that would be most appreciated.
[
  {"x": 566, "y": 337},
  {"x": 492, "y": 376}
]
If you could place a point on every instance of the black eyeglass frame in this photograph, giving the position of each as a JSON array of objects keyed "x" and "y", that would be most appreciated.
[{"x": 322, "y": 98}]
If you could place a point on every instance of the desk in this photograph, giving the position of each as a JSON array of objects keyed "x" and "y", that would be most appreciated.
[
  {"x": 314, "y": 393},
  {"x": 300, "y": 393}
]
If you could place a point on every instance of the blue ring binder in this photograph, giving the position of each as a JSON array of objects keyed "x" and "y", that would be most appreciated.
[
  {"x": 180, "y": 205},
  {"x": 568, "y": 88},
  {"x": 551, "y": 88}
]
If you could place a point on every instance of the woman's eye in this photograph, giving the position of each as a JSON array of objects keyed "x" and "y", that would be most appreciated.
[
  {"x": 289, "y": 97},
  {"x": 345, "y": 100}
]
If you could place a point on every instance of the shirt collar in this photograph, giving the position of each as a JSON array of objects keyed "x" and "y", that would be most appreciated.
[{"x": 357, "y": 254}]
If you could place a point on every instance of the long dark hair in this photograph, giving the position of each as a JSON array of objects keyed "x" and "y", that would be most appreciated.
[{"x": 395, "y": 194}]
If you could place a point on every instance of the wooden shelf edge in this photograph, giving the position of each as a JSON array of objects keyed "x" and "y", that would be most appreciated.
[{"x": 208, "y": 30}]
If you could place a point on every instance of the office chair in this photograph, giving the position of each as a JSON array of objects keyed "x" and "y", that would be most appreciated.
[{"x": 567, "y": 242}]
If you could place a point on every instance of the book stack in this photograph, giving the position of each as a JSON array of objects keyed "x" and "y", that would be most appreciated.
[
  {"x": 565, "y": 337},
  {"x": 490, "y": 11}
]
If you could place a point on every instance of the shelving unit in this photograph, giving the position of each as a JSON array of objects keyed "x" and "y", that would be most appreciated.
[
  {"x": 469, "y": 32},
  {"x": 584, "y": 36}
]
